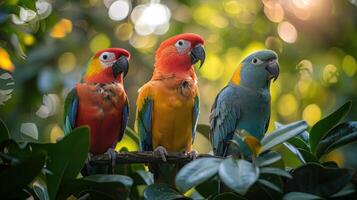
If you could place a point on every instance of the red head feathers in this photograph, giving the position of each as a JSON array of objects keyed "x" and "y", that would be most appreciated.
[
  {"x": 107, "y": 66},
  {"x": 179, "y": 53}
]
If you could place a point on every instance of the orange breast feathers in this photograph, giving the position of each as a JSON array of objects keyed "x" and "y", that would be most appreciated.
[{"x": 100, "y": 107}]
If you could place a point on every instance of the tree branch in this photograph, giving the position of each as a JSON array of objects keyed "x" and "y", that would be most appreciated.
[{"x": 145, "y": 157}]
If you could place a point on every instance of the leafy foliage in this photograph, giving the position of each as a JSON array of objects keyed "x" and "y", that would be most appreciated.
[{"x": 322, "y": 127}]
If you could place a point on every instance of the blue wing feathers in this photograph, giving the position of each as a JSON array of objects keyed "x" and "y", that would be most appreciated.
[{"x": 144, "y": 125}]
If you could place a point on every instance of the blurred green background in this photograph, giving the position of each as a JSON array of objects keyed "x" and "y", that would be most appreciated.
[{"x": 45, "y": 45}]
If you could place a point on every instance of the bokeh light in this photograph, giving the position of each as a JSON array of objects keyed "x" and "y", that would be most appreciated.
[
  {"x": 119, "y": 10},
  {"x": 149, "y": 17},
  {"x": 349, "y": 65},
  {"x": 311, "y": 114},
  {"x": 287, "y": 105},
  {"x": 99, "y": 42},
  {"x": 5, "y": 62},
  {"x": 29, "y": 129},
  {"x": 330, "y": 74},
  {"x": 124, "y": 31},
  {"x": 56, "y": 133},
  {"x": 51, "y": 104},
  {"x": 287, "y": 32},
  {"x": 61, "y": 28},
  {"x": 274, "y": 11},
  {"x": 66, "y": 62}
]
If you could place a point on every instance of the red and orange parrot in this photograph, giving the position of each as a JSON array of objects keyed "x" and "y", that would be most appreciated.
[
  {"x": 99, "y": 100},
  {"x": 168, "y": 105}
]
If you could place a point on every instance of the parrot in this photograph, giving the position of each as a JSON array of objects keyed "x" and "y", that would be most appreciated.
[
  {"x": 244, "y": 103},
  {"x": 168, "y": 105},
  {"x": 99, "y": 101}
]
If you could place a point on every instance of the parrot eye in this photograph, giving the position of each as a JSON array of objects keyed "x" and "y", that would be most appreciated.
[
  {"x": 182, "y": 46},
  {"x": 106, "y": 56},
  {"x": 256, "y": 61}
]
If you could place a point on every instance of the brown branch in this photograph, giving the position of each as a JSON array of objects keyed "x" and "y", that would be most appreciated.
[{"x": 145, "y": 157}]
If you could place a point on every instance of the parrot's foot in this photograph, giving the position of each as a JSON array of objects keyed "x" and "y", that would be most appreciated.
[
  {"x": 112, "y": 156},
  {"x": 161, "y": 151},
  {"x": 192, "y": 154}
]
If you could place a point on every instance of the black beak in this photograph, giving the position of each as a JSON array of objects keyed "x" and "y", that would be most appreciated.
[
  {"x": 198, "y": 54},
  {"x": 273, "y": 69},
  {"x": 120, "y": 66}
]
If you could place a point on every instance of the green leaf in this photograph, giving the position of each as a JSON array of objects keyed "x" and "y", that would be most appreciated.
[
  {"x": 65, "y": 158},
  {"x": 208, "y": 188},
  {"x": 238, "y": 175},
  {"x": 283, "y": 134},
  {"x": 21, "y": 172},
  {"x": 315, "y": 179},
  {"x": 197, "y": 172},
  {"x": 4, "y": 132},
  {"x": 299, "y": 143},
  {"x": 132, "y": 134},
  {"x": 160, "y": 191},
  {"x": 147, "y": 177},
  {"x": 300, "y": 196},
  {"x": 276, "y": 171},
  {"x": 204, "y": 129},
  {"x": 349, "y": 188},
  {"x": 344, "y": 130},
  {"x": 228, "y": 196},
  {"x": 98, "y": 187},
  {"x": 295, "y": 151},
  {"x": 270, "y": 185},
  {"x": 322, "y": 127},
  {"x": 267, "y": 158},
  {"x": 308, "y": 156}
]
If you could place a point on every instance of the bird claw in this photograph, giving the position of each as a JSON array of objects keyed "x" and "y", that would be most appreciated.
[
  {"x": 112, "y": 156},
  {"x": 193, "y": 154},
  {"x": 161, "y": 151}
]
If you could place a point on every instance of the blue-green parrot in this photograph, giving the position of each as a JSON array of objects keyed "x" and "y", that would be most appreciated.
[{"x": 244, "y": 104}]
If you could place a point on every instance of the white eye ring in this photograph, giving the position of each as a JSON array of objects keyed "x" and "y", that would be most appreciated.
[
  {"x": 182, "y": 46},
  {"x": 107, "y": 56},
  {"x": 256, "y": 61}
]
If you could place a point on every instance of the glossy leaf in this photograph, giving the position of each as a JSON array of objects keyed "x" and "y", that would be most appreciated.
[
  {"x": 299, "y": 143},
  {"x": 21, "y": 172},
  {"x": 295, "y": 151},
  {"x": 97, "y": 187},
  {"x": 238, "y": 175},
  {"x": 283, "y": 134},
  {"x": 65, "y": 158},
  {"x": 146, "y": 176},
  {"x": 349, "y": 188},
  {"x": 208, "y": 188},
  {"x": 341, "y": 135},
  {"x": 275, "y": 171},
  {"x": 322, "y": 127},
  {"x": 300, "y": 196},
  {"x": 267, "y": 158},
  {"x": 269, "y": 185},
  {"x": 197, "y": 172},
  {"x": 315, "y": 179},
  {"x": 159, "y": 191},
  {"x": 4, "y": 132},
  {"x": 308, "y": 156}
]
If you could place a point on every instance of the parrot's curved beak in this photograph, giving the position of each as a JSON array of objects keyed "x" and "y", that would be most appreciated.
[
  {"x": 198, "y": 54},
  {"x": 273, "y": 69},
  {"x": 120, "y": 66}
]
